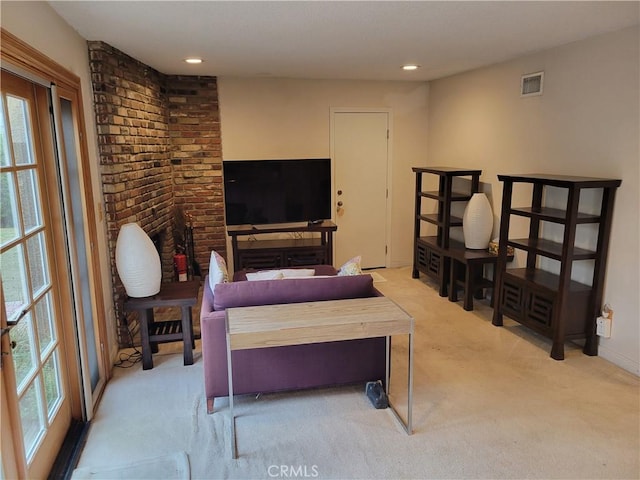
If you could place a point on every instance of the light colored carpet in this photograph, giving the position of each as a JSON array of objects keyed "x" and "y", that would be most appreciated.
[
  {"x": 173, "y": 466},
  {"x": 489, "y": 403}
]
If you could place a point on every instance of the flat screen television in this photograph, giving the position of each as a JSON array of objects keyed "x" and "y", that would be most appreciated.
[{"x": 267, "y": 192}]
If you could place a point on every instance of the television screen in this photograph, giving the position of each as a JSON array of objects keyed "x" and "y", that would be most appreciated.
[{"x": 260, "y": 192}]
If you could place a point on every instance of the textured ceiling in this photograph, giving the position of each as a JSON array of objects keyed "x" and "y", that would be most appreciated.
[{"x": 338, "y": 40}]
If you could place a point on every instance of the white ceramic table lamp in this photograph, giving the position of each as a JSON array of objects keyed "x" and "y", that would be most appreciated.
[
  {"x": 137, "y": 262},
  {"x": 477, "y": 222}
]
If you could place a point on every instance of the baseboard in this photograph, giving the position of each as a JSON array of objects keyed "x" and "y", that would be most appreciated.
[
  {"x": 619, "y": 360},
  {"x": 399, "y": 264},
  {"x": 113, "y": 352}
]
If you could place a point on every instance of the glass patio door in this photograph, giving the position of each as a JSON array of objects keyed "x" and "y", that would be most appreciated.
[{"x": 34, "y": 374}]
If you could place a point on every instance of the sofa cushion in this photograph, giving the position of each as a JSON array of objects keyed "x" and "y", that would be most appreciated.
[
  {"x": 281, "y": 273},
  {"x": 291, "y": 290},
  {"x": 297, "y": 272},
  {"x": 319, "y": 270},
  {"x": 266, "y": 275}
]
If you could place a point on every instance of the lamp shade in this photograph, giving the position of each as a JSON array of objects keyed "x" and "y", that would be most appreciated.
[
  {"x": 137, "y": 261},
  {"x": 477, "y": 222}
]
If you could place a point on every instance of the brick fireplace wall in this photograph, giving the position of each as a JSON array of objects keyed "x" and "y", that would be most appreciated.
[
  {"x": 160, "y": 156},
  {"x": 196, "y": 159}
]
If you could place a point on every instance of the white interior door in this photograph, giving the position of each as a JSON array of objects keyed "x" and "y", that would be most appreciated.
[{"x": 360, "y": 159}]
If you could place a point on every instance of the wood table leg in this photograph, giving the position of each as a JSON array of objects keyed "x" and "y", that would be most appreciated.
[
  {"x": 147, "y": 360},
  {"x": 193, "y": 336},
  {"x": 453, "y": 286},
  {"x": 187, "y": 335},
  {"x": 443, "y": 275},
  {"x": 151, "y": 321},
  {"x": 477, "y": 270},
  {"x": 468, "y": 287}
]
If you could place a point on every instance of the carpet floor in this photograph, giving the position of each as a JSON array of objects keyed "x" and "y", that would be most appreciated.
[{"x": 489, "y": 403}]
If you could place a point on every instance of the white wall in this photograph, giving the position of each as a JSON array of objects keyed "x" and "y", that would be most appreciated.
[
  {"x": 37, "y": 24},
  {"x": 285, "y": 118},
  {"x": 586, "y": 123}
]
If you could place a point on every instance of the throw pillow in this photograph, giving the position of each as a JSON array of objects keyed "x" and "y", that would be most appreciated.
[
  {"x": 298, "y": 272},
  {"x": 265, "y": 275},
  {"x": 281, "y": 273},
  {"x": 351, "y": 267},
  {"x": 217, "y": 270}
]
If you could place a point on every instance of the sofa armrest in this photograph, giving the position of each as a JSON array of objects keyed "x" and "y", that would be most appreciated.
[
  {"x": 206, "y": 305},
  {"x": 214, "y": 350}
]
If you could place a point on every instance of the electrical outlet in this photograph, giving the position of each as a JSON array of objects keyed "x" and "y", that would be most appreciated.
[{"x": 603, "y": 327}]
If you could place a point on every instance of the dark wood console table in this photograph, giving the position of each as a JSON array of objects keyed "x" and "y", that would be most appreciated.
[{"x": 278, "y": 253}]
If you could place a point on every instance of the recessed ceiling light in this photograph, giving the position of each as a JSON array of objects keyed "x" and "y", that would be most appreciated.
[
  {"x": 193, "y": 60},
  {"x": 410, "y": 67}
]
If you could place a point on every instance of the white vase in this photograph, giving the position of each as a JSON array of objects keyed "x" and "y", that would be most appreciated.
[
  {"x": 138, "y": 262},
  {"x": 477, "y": 222}
]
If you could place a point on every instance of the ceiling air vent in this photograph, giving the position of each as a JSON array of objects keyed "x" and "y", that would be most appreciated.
[{"x": 531, "y": 84}]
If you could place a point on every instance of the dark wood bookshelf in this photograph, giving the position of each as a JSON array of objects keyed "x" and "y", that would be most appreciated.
[
  {"x": 440, "y": 257},
  {"x": 553, "y": 304}
]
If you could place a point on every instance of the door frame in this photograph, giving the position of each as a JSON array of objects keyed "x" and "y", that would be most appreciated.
[
  {"x": 96, "y": 300},
  {"x": 22, "y": 60},
  {"x": 389, "y": 208}
]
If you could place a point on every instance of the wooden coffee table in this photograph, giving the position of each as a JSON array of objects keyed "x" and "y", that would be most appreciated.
[{"x": 316, "y": 322}]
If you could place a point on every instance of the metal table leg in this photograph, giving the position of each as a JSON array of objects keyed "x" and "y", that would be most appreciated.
[
  {"x": 234, "y": 449},
  {"x": 408, "y": 425}
]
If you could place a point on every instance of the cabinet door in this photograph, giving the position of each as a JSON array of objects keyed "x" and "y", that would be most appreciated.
[
  {"x": 513, "y": 297},
  {"x": 306, "y": 257},
  {"x": 261, "y": 260},
  {"x": 539, "y": 309},
  {"x": 428, "y": 260}
]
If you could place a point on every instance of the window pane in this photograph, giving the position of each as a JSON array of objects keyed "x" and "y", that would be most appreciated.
[
  {"x": 32, "y": 418},
  {"x": 38, "y": 271},
  {"x": 14, "y": 281},
  {"x": 20, "y": 134},
  {"x": 52, "y": 391},
  {"x": 28, "y": 187},
  {"x": 24, "y": 359},
  {"x": 9, "y": 225},
  {"x": 44, "y": 321},
  {"x": 5, "y": 156}
]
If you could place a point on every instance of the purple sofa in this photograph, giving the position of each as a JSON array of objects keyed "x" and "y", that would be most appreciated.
[{"x": 292, "y": 367}]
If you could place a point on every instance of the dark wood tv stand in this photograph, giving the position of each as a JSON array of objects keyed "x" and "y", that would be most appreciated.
[{"x": 278, "y": 253}]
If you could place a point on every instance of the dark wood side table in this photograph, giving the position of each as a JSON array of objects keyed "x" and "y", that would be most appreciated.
[
  {"x": 175, "y": 294},
  {"x": 469, "y": 265},
  {"x": 457, "y": 262}
]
